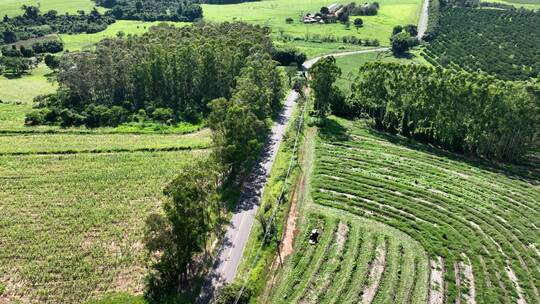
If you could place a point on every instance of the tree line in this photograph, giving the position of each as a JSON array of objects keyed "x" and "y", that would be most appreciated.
[
  {"x": 168, "y": 74},
  {"x": 464, "y": 112},
  {"x": 244, "y": 90},
  {"x": 158, "y": 10},
  {"x": 32, "y": 24}
]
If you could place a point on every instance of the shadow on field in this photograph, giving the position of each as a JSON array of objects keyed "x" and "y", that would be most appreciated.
[
  {"x": 332, "y": 130},
  {"x": 527, "y": 171}
]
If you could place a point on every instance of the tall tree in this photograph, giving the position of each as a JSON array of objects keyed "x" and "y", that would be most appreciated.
[{"x": 323, "y": 75}]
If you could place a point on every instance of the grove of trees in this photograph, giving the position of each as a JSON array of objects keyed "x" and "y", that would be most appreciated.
[
  {"x": 465, "y": 112},
  {"x": 168, "y": 74}
]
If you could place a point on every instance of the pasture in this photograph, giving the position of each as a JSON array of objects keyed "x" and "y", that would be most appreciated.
[
  {"x": 349, "y": 65},
  {"x": 23, "y": 89},
  {"x": 73, "y": 220},
  {"x": 477, "y": 222},
  {"x": 128, "y": 27},
  {"x": 13, "y": 7},
  {"x": 274, "y": 13}
]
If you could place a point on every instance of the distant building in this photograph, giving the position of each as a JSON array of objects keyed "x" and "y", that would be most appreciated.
[{"x": 333, "y": 8}]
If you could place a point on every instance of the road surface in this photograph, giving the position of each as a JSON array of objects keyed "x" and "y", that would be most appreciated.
[
  {"x": 237, "y": 235},
  {"x": 423, "y": 21}
]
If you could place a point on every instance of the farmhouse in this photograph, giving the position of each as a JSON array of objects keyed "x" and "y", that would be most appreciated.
[{"x": 334, "y": 8}]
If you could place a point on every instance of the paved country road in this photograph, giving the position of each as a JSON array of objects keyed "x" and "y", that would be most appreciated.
[
  {"x": 423, "y": 21},
  {"x": 237, "y": 235}
]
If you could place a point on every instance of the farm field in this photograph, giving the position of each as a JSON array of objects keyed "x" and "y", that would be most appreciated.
[
  {"x": 274, "y": 13},
  {"x": 476, "y": 221},
  {"x": 13, "y": 7},
  {"x": 508, "y": 48},
  {"x": 349, "y": 65},
  {"x": 100, "y": 143},
  {"x": 73, "y": 223},
  {"x": 355, "y": 261}
]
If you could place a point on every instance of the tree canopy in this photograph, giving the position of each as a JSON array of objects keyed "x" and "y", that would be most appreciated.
[{"x": 465, "y": 112}]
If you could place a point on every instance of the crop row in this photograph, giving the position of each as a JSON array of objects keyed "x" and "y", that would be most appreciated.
[
  {"x": 451, "y": 205},
  {"x": 354, "y": 261},
  {"x": 71, "y": 225},
  {"x": 499, "y": 42}
]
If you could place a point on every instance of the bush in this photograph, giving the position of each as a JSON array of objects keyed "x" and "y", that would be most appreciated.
[
  {"x": 162, "y": 114},
  {"x": 34, "y": 118},
  {"x": 52, "y": 61},
  {"x": 228, "y": 293},
  {"x": 70, "y": 118},
  {"x": 96, "y": 116},
  {"x": 289, "y": 20},
  {"x": 289, "y": 55},
  {"x": 52, "y": 46}
]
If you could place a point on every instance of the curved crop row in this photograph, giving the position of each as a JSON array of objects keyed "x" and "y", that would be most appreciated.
[{"x": 482, "y": 220}]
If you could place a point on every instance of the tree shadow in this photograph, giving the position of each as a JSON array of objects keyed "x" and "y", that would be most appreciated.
[
  {"x": 332, "y": 130},
  {"x": 527, "y": 170}
]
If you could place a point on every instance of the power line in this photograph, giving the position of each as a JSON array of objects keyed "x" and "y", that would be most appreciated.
[{"x": 278, "y": 202}]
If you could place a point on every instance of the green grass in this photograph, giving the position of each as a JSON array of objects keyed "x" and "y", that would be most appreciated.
[
  {"x": 85, "y": 41},
  {"x": 451, "y": 205},
  {"x": 100, "y": 143},
  {"x": 12, "y": 7},
  {"x": 72, "y": 225},
  {"x": 273, "y": 14},
  {"x": 26, "y": 87},
  {"x": 349, "y": 65}
]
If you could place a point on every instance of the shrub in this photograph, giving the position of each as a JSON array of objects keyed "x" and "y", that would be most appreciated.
[
  {"x": 162, "y": 114},
  {"x": 289, "y": 55},
  {"x": 228, "y": 293}
]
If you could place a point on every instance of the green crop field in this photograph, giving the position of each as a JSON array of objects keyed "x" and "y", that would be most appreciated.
[
  {"x": 13, "y": 7},
  {"x": 100, "y": 143},
  {"x": 274, "y": 13},
  {"x": 355, "y": 261},
  {"x": 72, "y": 224},
  {"x": 477, "y": 221}
]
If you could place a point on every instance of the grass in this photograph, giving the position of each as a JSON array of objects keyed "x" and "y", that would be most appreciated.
[
  {"x": 349, "y": 65},
  {"x": 84, "y": 41},
  {"x": 100, "y": 143},
  {"x": 13, "y": 7},
  {"x": 26, "y": 87},
  {"x": 454, "y": 207},
  {"x": 273, "y": 14},
  {"x": 72, "y": 224}
]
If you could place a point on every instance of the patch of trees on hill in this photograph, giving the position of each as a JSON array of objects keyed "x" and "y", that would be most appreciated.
[
  {"x": 33, "y": 24},
  {"x": 460, "y": 111},
  {"x": 168, "y": 75},
  {"x": 504, "y": 43}
]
